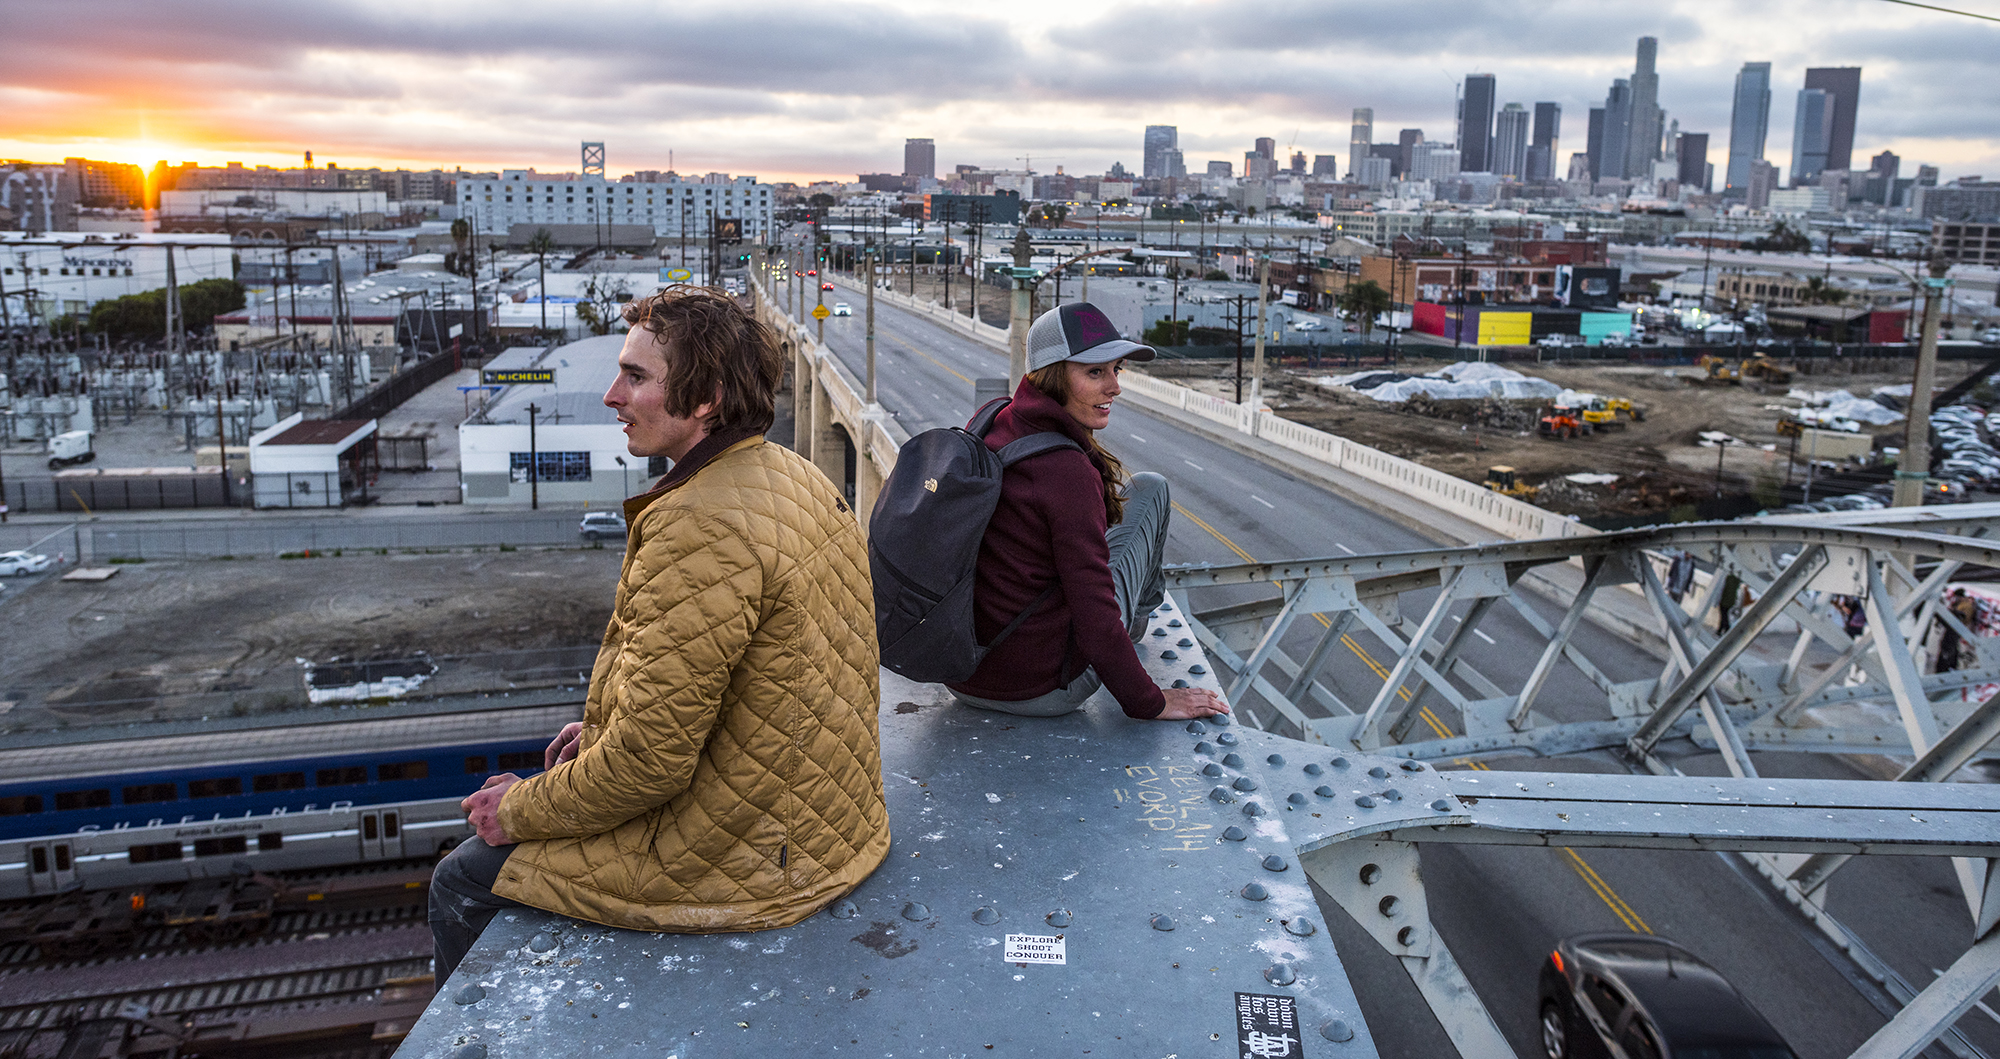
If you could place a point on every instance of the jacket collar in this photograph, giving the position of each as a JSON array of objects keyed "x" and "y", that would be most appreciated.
[
  {"x": 698, "y": 457},
  {"x": 1035, "y": 411}
]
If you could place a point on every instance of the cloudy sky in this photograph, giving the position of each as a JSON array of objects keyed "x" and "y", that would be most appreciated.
[{"x": 798, "y": 91}]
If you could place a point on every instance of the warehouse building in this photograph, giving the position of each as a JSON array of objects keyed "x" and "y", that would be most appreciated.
[{"x": 544, "y": 436}]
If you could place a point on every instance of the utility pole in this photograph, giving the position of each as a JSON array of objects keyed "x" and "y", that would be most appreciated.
[
  {"x": 1017, "y": 316},
  {"x": 1913, "y": 466},
  {"x": 869, "y": 268},
  {"x": 1236, "y": 320},
  {"x": 1263, "y": 300},
  {"x": 819, "y": 291},
  {"x": 534, "y": 463}
]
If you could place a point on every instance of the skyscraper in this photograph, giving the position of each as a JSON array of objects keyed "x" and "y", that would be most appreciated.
[
  {"x": 1475, "y": 124},
  {"x": 1749, "y": 121},
  {"x": 1812, "y": 130},
  {"x": 1510, "y": 141},
  {"x": 1843, "y": 84},
  {"x": 1267, "y": 148},
  {"x": 1159, "y": 140},
  {"x": 920, "y": 159},
  {"x": 1406, "y": 144},
  {"x": 1691, "y": 150},
  {"x": 1359, "y": 137},
  {"x": 1642, "y": 144},
  {"x": 1593, "y": 144},
  {"x": 1545, "y": 143},
  {"x": 1617, "y": 130},
  {"x": 1326, "y": 165}
]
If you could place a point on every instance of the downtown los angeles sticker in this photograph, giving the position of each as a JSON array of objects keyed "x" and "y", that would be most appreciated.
[{"x": 1268, "y": 1027}]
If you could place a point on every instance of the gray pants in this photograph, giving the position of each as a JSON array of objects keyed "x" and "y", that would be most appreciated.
[
  {"x": 463, "y": 901},
  {"x": 1138, "y": 547}
]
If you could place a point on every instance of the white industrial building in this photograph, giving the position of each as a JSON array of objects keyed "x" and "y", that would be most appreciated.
[
  {"x": 298, "y": 462},
  {"x": 576, "y": 449},
  {"x": 668, "y": 207},
  {"x": 71, "y": 271}
]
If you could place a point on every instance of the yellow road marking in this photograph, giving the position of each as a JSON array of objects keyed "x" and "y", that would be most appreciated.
[
  {"x": 906, "y": 345},
  {"x": 1625, "y": 913}
]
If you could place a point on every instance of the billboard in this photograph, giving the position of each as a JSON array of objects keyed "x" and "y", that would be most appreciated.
[{"x": 1587, "y": 287}]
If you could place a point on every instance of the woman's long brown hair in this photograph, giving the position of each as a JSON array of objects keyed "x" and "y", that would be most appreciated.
[{"x": 1054, "y": 381}]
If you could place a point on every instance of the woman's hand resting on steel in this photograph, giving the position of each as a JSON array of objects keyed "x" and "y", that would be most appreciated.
[{"x": 1185, "y": 704}]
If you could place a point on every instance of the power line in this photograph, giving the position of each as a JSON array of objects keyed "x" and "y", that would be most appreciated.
[{"x": 1946, "y": 10}]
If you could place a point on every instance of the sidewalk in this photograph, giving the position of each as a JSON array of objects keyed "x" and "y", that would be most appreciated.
[{"x": 433, "y": 414}]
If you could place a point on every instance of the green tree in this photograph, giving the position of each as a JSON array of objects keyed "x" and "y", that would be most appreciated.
[
  {"x": 821, "y": 199},
  {"x": 1819, "y": 292},
  {"x": 461, "y": 261},
  {"x": 143, "y": 316},
  {"x": 1783, "y": 239},
  {"x": 1364, "y": 301},
  {"x": 540, "y": 244},
  {"x": 1167, "y": 332}
]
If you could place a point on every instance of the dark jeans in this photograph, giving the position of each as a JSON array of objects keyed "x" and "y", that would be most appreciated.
[
  {"x": 1138, "y": 547},
  {"x": 463, "y": 901}
]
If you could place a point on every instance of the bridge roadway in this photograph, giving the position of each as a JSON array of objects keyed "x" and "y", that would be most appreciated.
[{"x": 1500, "y": 908}]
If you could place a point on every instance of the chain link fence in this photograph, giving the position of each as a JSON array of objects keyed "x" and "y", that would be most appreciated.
[{"x": 212, "y": 539}]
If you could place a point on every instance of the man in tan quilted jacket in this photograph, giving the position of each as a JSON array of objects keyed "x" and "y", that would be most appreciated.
[{"x": 727, "y": 773}]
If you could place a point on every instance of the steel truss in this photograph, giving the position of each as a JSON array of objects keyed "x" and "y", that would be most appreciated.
[{"x": 1753, "y": 685}]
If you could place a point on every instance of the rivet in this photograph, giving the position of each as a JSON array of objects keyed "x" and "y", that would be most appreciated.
[
  {"x": 1280, "y": 974},
  {"x": 1336, "y": 1031},
  {"x": 1296, "y": 798},
  {"x": 1169, "y": 655},
  {"x": 1379, "y": 772},
  {"x": 1198, "y": 671},
  {"x": 1220, "y": 720},
  {"x": 1173, "y": 623},
  {"x": 1323, "y": 791},
  {"x": 1276, "y": 863},
  {"x": 475, "y": 1050},
  {"x": 469, "y": 993},
  {"x": 1413, "y": 766},
  {"x": 1159, "y": 632},
  {"x": 1244, "y": 783},
  {"x": 1313, "y": 769},
  {"x": 985, "y": 916},
  {"x": 1161, "y": 921},
  {"x": 1365, "y": 801},
  {"x": 1340, "y": 762},
  {"x": 1225, "y": 738},
  {"x": 843, "y": 909},
  {"x": 1252, "y": 809},
  {"x": 1388, "y": 906},
  {"x": 1211, "y": 770},
  {"x": 916, "y": 912},
  {"x": 1185, "y": 642},
  {"x": 1392, "y": 794},
  {"x": 1178, "y": 683},
  {"x": 1301, "y": 926},
  {"x": 1196, "y": 728},
  {"x": 1370, "y": 874},
  {"x": 1255, "y": 892},
  {"x": 542, "y": 942},
  {"x": 1221, "y": 794},
  {"x": 1442, "y": 805},
  {"x": 1234, "y": 833},
  {"x": 1058, "y": 918},
  {"x": 1406, "y": 936},
  {"x": 1275, "y": 760},
  {"x": 1233, "y": 760}
]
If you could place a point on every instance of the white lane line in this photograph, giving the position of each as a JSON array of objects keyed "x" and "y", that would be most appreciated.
[
  {"x": 1193, "y": 464},
  {"x": 1482, "y": 636},
  {"x": 1137, "y": 438},
  {"x": 1263, "y": 501},
  {"x": 1458, "y": 619},
  {"x": 1344, "y": 548}
]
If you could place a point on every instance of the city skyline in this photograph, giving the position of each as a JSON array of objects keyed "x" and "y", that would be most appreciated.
[{"x": 518, "y": 86}]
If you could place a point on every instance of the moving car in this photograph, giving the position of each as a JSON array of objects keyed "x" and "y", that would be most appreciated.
[
  {"x": 21, "y": 564},
  {"x": 842, "y": 309},
  {"x": 1638, "y": 996},
  {"x": 1308, "y": 324},
  {"x": 597, "y": 525},
  {"x": 826, "y": 286}
]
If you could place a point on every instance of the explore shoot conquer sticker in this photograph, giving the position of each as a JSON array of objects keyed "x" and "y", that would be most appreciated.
[{"x": 1036, "y": 948}]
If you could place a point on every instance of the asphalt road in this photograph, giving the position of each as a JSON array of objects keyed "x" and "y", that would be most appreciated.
[{"x": 1501, "y": 909}]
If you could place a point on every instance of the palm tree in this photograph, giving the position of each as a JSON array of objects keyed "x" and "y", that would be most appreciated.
[
  {"x": 540, "y": 245},
  {"x": 1364, "y": 301}
]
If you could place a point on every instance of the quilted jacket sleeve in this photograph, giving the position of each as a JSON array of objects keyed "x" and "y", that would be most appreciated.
[{"x": 696, "y": 593}]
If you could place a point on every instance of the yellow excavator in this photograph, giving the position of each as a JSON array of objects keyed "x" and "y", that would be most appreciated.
[{"x": 1504, "y": 481}]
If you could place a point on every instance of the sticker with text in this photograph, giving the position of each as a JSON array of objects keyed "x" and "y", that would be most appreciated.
[
  {"x": 1035, "y": 948},
  {"x": 1267, "y": 1027}
]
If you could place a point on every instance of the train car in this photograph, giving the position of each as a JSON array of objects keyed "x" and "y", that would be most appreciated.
[{"x": 135, "y": 812}]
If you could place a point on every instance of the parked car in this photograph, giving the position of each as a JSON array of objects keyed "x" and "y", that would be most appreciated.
[
  {"x": 842, "y": 309},
  {"x": 1644, "y": 997},
  {"x": 21, "y": 564},
  {"x": 597, "y": 525},
  {"x": 1307, "y": 323},
  {"x": 1990, "y": 336}
]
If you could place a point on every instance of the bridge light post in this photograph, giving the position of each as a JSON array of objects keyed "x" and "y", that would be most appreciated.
[{"x": 1914, "y": 465}]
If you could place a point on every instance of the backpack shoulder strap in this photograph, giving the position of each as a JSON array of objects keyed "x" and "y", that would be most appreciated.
[
  {"x": 982, "y": 420},
  {"x": 1034, "y": 445}
]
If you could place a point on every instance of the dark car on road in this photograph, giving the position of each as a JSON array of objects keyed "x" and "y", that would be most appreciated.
[{"x": 1635, "y": 996}]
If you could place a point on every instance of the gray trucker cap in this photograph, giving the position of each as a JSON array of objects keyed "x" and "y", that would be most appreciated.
[{"x": 1079, "y": 331}]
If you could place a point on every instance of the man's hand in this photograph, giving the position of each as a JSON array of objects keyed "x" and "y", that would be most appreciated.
[
  {"x": 564, "y": 746},
  {"x": 1185, "y": 704},
  {"x": 482, "y": 807}
]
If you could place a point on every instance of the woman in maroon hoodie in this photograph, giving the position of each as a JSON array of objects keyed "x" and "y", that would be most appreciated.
[{"x": 1069, "y": 520}]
